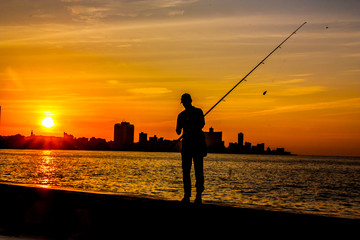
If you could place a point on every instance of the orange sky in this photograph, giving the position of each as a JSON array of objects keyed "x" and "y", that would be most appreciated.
[{"x": 95, "y": 63}]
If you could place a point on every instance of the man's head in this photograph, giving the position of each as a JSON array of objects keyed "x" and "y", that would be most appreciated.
[{"x": 186, "y": 100}]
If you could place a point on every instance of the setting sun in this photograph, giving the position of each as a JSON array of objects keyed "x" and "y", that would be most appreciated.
[{"x": 48, "y": 122}]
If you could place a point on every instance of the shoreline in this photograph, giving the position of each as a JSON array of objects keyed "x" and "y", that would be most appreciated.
[
  {"x": 59, "y": 214},
  {"x": 110, "y": 150},
  {"x": 207, "y": 202},
  {"x": 157, "y": 150}
]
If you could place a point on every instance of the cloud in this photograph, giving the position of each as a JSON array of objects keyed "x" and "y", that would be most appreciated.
[
  {"x": 171, "y": 3},
  {"x": 96, "y": 11},
  {"x": 302, "y": 75},
  {"x": 290, "y": 81},
  {"x": 113, "y": 82},
  {"x": 69, "y": 1},
  {"x": 176, "y": 13},
  {"x": 86, "y": 11},
  {"x": 351, "y": 71},
  {"x": 298, "y": 91},
  {"x": 43, "y": 16},
  {"x": 351, "y": 55},
  {"x": 88, "y": 14},
  {"x": 149, "y": 91},
  {"x": 351, "y": 103},
  {"x": 15, "y": 79}
]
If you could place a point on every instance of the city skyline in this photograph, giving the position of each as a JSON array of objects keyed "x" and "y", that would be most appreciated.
[
  {"x": 124, "y": 141},
  {"x": 124, "y": 135},
  {"x": 88, "y": 64}
]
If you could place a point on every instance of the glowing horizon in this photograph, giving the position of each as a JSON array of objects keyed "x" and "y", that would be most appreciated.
[{"x": 96, "y": 63}]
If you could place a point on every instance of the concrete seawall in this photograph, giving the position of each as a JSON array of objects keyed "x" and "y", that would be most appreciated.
[{"x": 65, "y": 214}]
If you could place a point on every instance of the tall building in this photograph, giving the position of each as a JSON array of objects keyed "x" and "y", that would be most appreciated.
[
  {"x": 214, "y": 142},
  {"x": 241, "y": 139},
  {"x": 247, "y": 147},
  {"x": 260, "y": 148},
  {"x": 123, "y": 135},
  {"x": 142, "y": 138}
]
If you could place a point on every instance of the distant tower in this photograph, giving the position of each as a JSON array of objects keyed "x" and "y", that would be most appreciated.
[
  {"x": 241, "y": 139},
  {"x": 123, "y": 134}
]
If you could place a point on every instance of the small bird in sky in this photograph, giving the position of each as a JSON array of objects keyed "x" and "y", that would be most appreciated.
[
  {"x": 264, "y": 92},
  {"x": 327, "y": 27}
]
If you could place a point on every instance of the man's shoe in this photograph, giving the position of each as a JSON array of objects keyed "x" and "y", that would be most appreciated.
[
  {"x": 198, "y": 200},
  {"x": 185, "y": 201}
]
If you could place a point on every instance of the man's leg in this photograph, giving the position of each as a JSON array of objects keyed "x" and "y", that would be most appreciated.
[
  {"x": 199, "y": 176},
  {"x": 186, "y": 167}
]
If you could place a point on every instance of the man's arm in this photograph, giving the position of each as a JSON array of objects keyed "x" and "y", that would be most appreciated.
[
  {"x": 202, "y": 120},
  {"x": 178, "y": 125}
]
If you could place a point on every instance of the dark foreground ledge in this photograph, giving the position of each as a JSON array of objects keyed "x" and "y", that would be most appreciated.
[{"x": 63, "y": 214}]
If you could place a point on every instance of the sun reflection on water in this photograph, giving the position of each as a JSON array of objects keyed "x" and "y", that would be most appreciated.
[{"x": 46, "y": 168}]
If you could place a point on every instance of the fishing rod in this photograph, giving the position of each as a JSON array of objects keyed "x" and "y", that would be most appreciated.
[
  {"x": 262, "y": 62},
  {"x": 243, "y": 79}
]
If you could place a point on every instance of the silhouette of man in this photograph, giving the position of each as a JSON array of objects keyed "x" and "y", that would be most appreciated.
[{"x": 190, "y": 122}]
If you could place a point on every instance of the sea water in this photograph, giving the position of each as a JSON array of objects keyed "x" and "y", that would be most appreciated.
[{"x": 310, "y": 184}]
